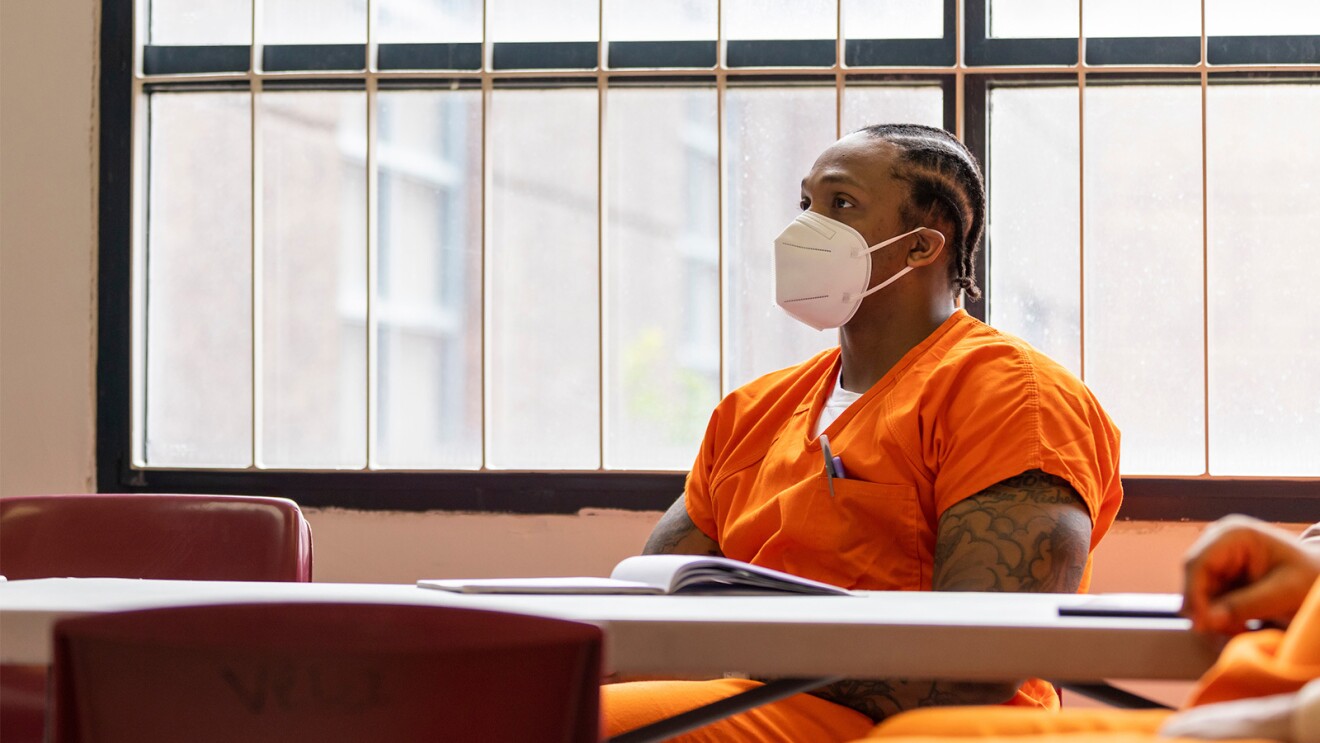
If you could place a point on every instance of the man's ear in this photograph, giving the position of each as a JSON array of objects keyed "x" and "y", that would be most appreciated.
[{"x": 926, "y": 248}]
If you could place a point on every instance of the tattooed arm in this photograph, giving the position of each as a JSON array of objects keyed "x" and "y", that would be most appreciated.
[
  {"x": 1029, "y": 533},
  {"x": 675, "y": 534}
]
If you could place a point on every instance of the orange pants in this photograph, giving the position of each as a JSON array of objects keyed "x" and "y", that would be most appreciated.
[{"x": 801, "y": 717}]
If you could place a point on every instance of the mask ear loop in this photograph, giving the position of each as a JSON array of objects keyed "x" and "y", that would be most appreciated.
[{"x": 896, "y": 276}]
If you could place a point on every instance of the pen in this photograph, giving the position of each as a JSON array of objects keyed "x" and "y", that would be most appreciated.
[{"x": 829, "y": 462}]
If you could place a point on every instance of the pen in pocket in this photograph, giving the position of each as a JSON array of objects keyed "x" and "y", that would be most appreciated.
[
  {"x": 838, "y": 468},
  {"x": 830, "y": 460}
]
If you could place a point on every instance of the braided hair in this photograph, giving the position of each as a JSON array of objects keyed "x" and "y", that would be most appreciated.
[{"x": 945, "y": 179}]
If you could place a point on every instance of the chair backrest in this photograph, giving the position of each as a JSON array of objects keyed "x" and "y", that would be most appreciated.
[
  {"x": 187, "y": 537},
  {"x": 325, "y": 672}
]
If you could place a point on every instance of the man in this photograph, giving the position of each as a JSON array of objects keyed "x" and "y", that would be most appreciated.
[
  {"x": 961, "y": 458},
  {"x": 1265, "y": 685}
]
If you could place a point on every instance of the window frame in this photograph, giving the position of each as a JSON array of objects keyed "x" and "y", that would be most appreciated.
[{"x": 965, "y": 95}]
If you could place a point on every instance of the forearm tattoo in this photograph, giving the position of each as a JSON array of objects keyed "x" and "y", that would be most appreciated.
[
  {"x": 1029, "y": 533},
  {"x": 881, "y": 698}
]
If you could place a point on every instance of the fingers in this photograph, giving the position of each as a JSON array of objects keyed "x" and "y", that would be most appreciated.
[
  {"x": 1274, "y": 597},
  {"x": 1216, "y": 563},
  {"x": 1241, "y": 569}
]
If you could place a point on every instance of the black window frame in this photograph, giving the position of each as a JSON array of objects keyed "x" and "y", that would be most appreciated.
[{"x": 1147, "y": 498}]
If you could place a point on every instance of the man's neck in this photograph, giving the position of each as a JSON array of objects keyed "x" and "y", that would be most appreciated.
[{"x": 869, "y": 350}]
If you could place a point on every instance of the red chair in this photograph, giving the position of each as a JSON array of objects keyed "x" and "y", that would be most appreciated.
[
  {"x": 198, "y": 537},
  {"x": 324, "y": 672},
  {"x": 185, "y": 537}
]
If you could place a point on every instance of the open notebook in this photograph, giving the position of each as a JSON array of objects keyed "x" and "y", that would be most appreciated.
[{"x": 656, "y": 574}]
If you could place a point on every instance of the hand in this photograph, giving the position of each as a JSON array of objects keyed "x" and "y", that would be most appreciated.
[{"x": 1242, "y": 569}]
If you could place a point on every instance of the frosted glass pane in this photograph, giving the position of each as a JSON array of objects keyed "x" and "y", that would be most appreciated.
[
  {"x": 314, "y": 343},
  {"x": 674, "y": 20},
  {"x": 199, "y": 282},
  {"x": 1144, "y": 333},
  {"x": 1125, "y": 18},
  {"x": 544, "y": 374},
  {"x": 1262, "y": 162},
  {"x": 662, "y": 276},
  {"x": 780, "y": 19},
  {"x": 536, "y": 20},
  {"x": 773, "y": 137},
  {"x": 1034, "y": 225},
  {"x": 893, "y": 19},
  {"x": 1262, "y": 17},
  {"x": 200, "y": 22},
  {"x": 864, "y": 105},
  {"x": 428, "y": 21},
  {"x": 428, "y": 269},
  {"x": 1032, "y": 19},
  {"x": 314, "y": 22}
]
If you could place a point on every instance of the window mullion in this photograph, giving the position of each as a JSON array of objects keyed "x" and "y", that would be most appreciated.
[
  {"x": 487, "y": 85},
  {"x": 1081, "y": 191},
  {"x": 721, "y": 82},
  {"x": 257, "y": 236},
  {"x": 602, "y": 399},
  {"x": 373, "y": 246},
  {"x": 1205, "y": 244}
]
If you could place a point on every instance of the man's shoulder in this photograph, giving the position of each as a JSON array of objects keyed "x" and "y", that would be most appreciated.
[
  {"x": 986, "y": 364},
  {"x": 984, "y": 355}
]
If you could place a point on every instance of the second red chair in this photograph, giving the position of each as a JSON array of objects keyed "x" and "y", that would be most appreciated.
[{"x": 325, "y": 672}]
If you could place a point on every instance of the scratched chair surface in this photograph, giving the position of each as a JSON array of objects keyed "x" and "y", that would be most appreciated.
[{"x": 325, "y": 672}]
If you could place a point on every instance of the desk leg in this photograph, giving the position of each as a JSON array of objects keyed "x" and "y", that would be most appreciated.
[
  {"x": 1110, "y": 695},
  {"x": 693, "y": 719}
]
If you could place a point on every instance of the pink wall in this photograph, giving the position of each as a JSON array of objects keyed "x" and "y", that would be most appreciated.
[{"x": 358, "y": 546}]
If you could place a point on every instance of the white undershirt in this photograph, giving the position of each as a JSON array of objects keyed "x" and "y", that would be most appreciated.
[{"x": 839, "y": 401}]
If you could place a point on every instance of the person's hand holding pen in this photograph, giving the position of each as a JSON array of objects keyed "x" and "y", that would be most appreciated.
[{"x": 1242, "y": 569}]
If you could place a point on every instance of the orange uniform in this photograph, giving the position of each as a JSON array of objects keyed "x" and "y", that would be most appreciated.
[{"x": 965, "y": 409}]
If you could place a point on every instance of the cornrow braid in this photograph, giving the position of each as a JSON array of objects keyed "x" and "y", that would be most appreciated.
[{"x": 945, "y": 179}]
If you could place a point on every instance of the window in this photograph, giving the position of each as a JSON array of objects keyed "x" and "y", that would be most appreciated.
[{"x": 510, "y": 254}]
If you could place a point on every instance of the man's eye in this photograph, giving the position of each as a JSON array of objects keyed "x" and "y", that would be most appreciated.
[{"x": 842, "y": 203}]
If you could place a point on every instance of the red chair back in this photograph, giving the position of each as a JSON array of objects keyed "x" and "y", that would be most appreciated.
[
  {"x": 325, "y": 672},
  {"x": 187, "y": 537}
]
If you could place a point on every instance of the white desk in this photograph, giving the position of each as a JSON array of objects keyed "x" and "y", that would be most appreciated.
[{"x": 972, "y": 636}]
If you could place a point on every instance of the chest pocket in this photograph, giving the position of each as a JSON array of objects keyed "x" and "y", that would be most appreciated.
[{"x": 864, "y": 536}]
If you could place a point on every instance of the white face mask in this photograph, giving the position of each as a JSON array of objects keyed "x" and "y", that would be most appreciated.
[{"x": 822, "y": 267}]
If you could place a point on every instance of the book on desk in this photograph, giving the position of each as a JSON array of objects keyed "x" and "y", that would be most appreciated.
[
  {"x": 655, "y": 574},
  {"x": 1126, "y": 605}
]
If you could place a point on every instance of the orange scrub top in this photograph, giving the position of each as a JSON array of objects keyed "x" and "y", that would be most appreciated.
[{"x": 965, "y": 409}]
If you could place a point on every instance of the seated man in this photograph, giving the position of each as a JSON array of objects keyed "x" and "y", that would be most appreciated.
[
  {"x": 1265, "y": 685},
  {"x": 962, "y": 459}
]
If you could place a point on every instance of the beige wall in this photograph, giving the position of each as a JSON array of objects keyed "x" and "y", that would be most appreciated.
[
  {"x": 48, "y": 131},
  {"x": 355, "y": 546}
]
